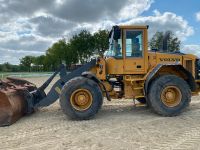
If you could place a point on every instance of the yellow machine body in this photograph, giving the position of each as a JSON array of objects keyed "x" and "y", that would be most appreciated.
[{"x": 134, "y": 70}]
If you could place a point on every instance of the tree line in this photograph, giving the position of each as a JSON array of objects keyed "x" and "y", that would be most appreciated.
[{"x": 79, "y": 49}]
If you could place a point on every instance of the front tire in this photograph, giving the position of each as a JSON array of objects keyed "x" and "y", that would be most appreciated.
[
  {"x": 81, "y": 98},
  {"x": 169, "y": 95}
]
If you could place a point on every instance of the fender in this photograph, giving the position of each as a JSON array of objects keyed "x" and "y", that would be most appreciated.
[
  {"x": 178, "y": 67},
  {"x": 91, "y": 76}
]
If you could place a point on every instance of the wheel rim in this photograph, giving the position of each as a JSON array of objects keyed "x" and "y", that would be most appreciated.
[
  {"x": 171, "y": 96},
  {"x": 81, "y": 99}
]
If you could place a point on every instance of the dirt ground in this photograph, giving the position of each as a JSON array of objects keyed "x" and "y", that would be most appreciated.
[{"x": 119, "y": 125}]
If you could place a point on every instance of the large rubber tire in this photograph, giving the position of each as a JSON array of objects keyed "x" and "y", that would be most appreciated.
[
  {"x": 81, "y": 83},
  {"x": 155, "y": 91}
]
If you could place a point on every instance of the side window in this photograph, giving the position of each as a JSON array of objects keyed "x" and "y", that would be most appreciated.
[
  {"x": 118, "y": 48},
  {"x": 134, "y": 43},
  {"x": 115, "y": 49}
]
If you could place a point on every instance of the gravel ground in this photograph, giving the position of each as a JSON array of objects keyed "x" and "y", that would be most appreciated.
[{"x": 119, "y": 125}]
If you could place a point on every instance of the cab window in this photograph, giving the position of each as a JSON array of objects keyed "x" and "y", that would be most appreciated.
[
  {"x": 115, "y": 49},
  {"x": 134, "y": 43}
]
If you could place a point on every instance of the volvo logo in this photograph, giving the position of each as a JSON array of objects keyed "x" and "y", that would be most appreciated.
[{"x": 170, "y": 59}]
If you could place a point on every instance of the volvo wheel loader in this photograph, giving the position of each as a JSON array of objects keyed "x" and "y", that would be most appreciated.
[{"x": 164, "y": 81}]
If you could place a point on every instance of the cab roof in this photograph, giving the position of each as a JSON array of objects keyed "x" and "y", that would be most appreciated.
[{"x": 134, "y": 26}]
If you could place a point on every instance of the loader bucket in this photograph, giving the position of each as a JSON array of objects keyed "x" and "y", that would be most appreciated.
[{"x": 13, "y": 103}]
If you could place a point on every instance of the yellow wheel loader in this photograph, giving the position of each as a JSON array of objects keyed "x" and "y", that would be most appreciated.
[{"x": 128, "y": 70}]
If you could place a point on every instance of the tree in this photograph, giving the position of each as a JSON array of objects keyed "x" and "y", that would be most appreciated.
[
  {"x": 82, "y": 45},
  {"x": 7, "y": 67},
  {"x": 157, "y": 42},
  {"x": 101, "y": 39},
  {"x": 61, "y": 52},
  {"x": 26, "y": 62},
  {"x": 57, "y": 50},
  {"x": 39, "y": 63},
  {"x": 70, "y": 55},
  {"x": 55, "y": 54}
]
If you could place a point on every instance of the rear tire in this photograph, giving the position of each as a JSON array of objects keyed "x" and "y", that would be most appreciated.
[
  {"x": 169, "y": 95},
  {"x": 81, "y": 98}
]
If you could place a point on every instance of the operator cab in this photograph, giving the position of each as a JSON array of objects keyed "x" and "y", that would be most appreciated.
[{"x": 127, "y": 50}]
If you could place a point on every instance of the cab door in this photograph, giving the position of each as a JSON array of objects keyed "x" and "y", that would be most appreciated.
[{"x": 135, "y": 51}]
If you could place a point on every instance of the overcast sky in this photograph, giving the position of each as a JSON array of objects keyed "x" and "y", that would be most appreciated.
[{"x": 29, "y": 27}]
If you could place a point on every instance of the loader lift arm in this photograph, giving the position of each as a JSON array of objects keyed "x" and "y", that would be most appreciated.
[{"x": 39, "y": 98}]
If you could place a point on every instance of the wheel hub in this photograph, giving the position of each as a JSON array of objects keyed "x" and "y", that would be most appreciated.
[
  {"x": 81, "y": 99},
  {"x": 171, "y": 96}
]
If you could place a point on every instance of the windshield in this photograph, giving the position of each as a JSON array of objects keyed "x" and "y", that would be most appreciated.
[{"x": 115, "y": 47}]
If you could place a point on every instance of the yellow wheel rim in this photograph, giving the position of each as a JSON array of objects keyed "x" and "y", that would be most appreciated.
[
  {"x": 171, "y": 96},
  {"x": 81, "y": 99}
]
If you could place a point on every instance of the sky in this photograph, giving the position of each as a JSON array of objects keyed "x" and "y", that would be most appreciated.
[{"x": 30, "y": 27}]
